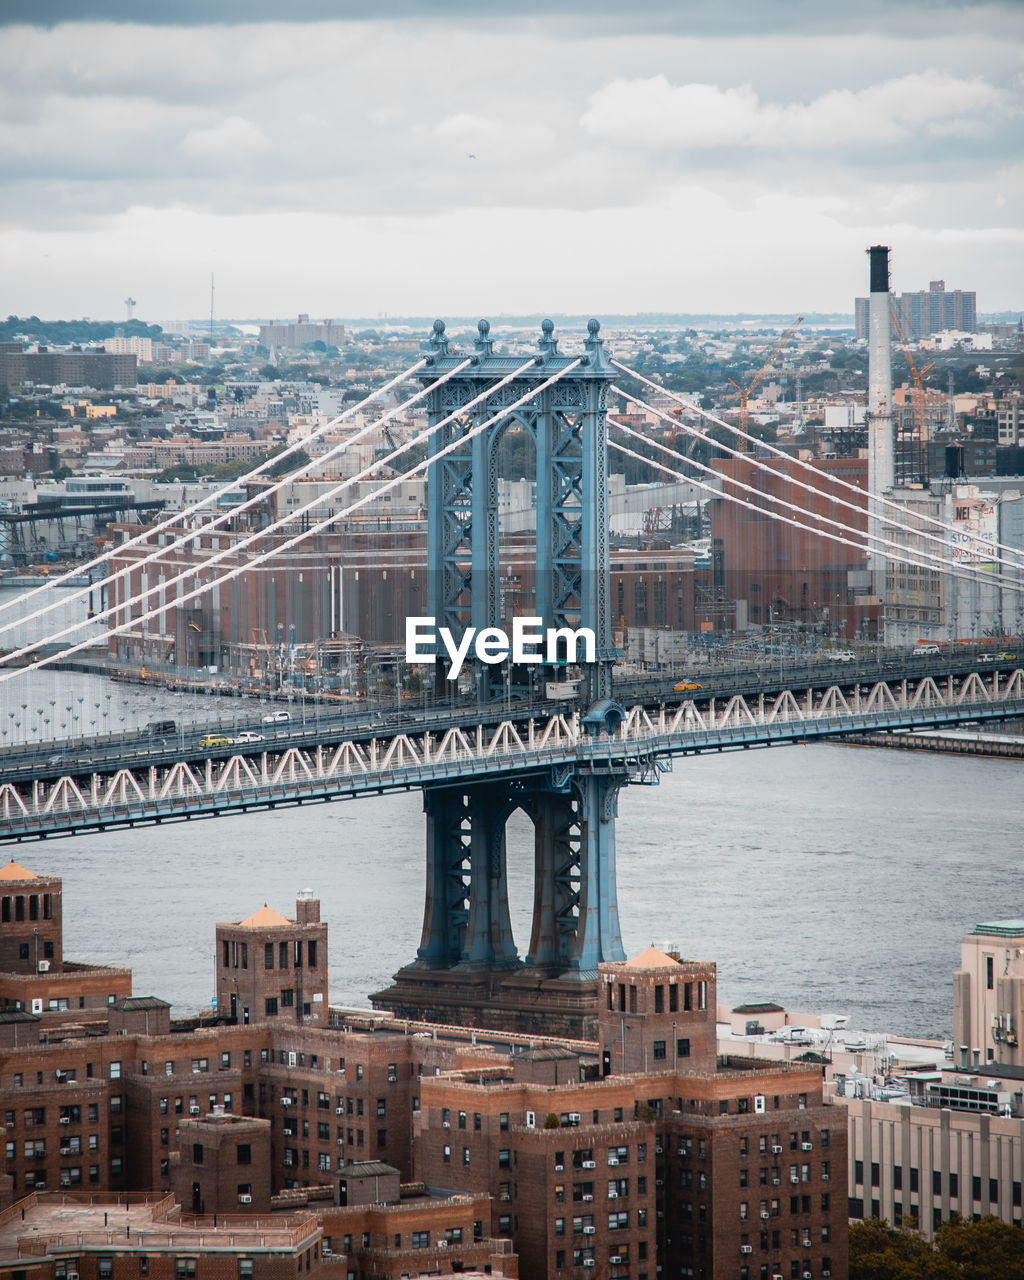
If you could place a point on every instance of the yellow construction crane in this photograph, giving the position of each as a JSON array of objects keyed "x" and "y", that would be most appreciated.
[
  {"x": 744, "y": 395},
  {"x": 916, "y": 395}
]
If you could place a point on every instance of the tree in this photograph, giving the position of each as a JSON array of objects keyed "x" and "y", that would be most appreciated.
[
  {"x": 292, "y": 463},
  {"x": 986, "y": 1250}
]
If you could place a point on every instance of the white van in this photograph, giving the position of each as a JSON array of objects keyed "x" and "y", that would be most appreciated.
[{"x": 276, "y": 717}]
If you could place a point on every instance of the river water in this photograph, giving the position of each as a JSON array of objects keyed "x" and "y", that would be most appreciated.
[{"x": 827, "y": 878}]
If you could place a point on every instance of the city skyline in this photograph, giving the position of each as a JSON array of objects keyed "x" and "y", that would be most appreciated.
[{"x": 446, "y": 161}]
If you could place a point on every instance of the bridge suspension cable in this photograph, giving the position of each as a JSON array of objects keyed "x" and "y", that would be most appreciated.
[
  {"x": 898, "y": 556},
  {"x": 931, "y": 560},
  {"x": 223, "y": 517},
  {"x": 78, "y": 570},
  {"x": 876, "y": 499},
  {"x": 290, "y": 516},
  {"x": 313, "y": 529}
]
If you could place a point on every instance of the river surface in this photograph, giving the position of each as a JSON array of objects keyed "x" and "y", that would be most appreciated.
[{"x": 828, "y": 878}]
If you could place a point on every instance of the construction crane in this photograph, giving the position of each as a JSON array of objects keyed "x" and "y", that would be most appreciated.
[
  {"x": 744, "y": 395},
  {"x": 916, "y": 398}
]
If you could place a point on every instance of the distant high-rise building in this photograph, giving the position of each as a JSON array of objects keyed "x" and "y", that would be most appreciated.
[{"x": 927, "y": 311}]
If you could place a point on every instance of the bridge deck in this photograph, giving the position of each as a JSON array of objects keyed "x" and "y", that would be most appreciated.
[{"x": 269, "y": 775}]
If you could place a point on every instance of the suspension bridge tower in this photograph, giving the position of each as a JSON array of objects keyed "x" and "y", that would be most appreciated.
[{"x": 468, "y": 969}]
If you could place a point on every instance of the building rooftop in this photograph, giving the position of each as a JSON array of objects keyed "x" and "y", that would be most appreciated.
[
  {"x": 995, "y": 928},
  {"x": 368, "y": 1169},
  {"x": 54, "y": 1221},
  {"x": 265, "y": 918},
  {"x": 134, "y": 1004},
  {"x": 14, "y": 872},
  {"x": 652, "y": 958}
]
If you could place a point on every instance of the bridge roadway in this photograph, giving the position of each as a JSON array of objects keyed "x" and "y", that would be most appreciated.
[{"x": 102, "y": 784}]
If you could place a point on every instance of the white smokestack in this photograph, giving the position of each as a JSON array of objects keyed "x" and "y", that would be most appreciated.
[{"x": 881, "y": 451}]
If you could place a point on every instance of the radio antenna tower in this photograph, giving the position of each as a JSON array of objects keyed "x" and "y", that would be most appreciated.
[{"x": 211, "y": 308}]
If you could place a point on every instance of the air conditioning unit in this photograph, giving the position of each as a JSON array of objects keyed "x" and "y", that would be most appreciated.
[
  {"x": 615, "y": 1261},
  {"x": 808, "y": 1275},
  {"x": 765, "y": 1214},
  {"x": 746, "y": 1248},
  {"x": 589, "y": 1164},
  {"x": 659, "y": 1182},
  {"x": 193, "y": 1111},
  {"x": 794, "y": 1177},
  {"x": 44, "y": 966},
  {"x": 658, "y": 1151},
  {"x": 574, "y": 1118},
  {"x": 613, "y": 1195},
  {"x": 287, "y": 1102},
  {"x": 559, "y": 1168},
  {"x": 588, "y": 1197},
  {"x": 824, "y": 1273},
  {"x": 339, "y": 1111},
  {"x": 65, "y": 1119},
  {"x": 613, "y": 1162},
  {"x": 776, "y": 1149},
  {"x": 71, "y": 1275},
  {"x": 807, "y": 1146},
  {"x": 588, "y": 1262},
  {"x": 589, "y": 1231},
  {"x": 341, "y": 1142},
  {"x": 775, "y": 1182},
  {"x": 245, "y": 1199},
  {"x": 824, "y": 1177}
]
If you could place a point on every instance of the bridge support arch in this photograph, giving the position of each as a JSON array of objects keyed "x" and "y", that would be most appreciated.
[{"x": 467, "y": 967}]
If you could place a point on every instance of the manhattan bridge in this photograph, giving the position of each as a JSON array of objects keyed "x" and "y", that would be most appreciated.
[{"x": 563, "y": 762}]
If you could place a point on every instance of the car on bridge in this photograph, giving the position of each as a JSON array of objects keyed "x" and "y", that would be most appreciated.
[
  {"x": 214, "y": 740},
  {"x": 276, "y": 717},
  {"x": 247, "y": 737},
  {"x": 925, "y": 651},
  {"x": 687, "y": 686}
]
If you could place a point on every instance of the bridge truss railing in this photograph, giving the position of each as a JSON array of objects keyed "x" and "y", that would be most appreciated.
[{"x": 641, "y": 747}]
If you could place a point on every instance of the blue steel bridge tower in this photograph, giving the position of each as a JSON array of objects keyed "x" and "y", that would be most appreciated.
[{"x": 467, "y": 968}]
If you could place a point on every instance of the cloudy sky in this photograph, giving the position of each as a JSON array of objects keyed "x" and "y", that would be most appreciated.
[{"x": 440, "y": 157}]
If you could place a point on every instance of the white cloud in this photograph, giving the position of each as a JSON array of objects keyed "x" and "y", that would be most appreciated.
[
  {"x": 229, "y": 138},
  {"x": 653, "y": 113}
]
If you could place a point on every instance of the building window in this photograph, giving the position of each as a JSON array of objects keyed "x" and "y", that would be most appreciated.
[
  {"x": 683, "y": 1048},
  {"x": 271, "y": 1006},
  {"x": 268, "y": 955},
  {"x": 288, "y": 998},
  {"x": 659, "y": 1047},
  {"x": 421, "y": 1239},
  {"x": 184, "y": 1268}
]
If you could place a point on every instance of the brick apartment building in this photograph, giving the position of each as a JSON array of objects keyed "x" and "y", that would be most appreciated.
[
  {"x": 638, "y": 1154},
  {"x": 270, "y": 967},
  {"x": 35, "y": 979}
]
